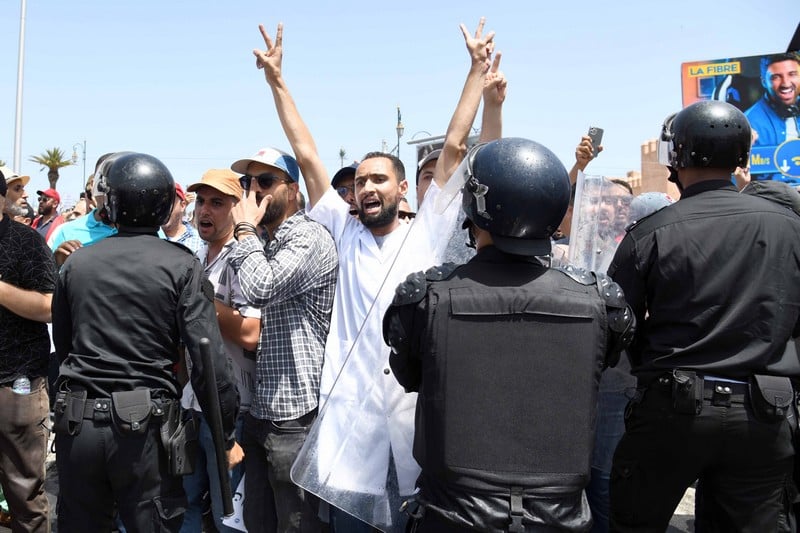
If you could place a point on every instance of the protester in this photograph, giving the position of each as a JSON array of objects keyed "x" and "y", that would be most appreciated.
[
  {"x": 292, "y": 279},
  {"x": 16, "y": 197},
  {"x": 117, "y": 386},
  {"x": 240, "y": 324},
  {"x": 715, "y": 398},
  {"x": 342, "y": 182},
  {"x": 87, "y": 230},
  {"x": 27, "y": 279},
  {"x": 48, "y": 218},
  {"x": 177, "y": 228}
]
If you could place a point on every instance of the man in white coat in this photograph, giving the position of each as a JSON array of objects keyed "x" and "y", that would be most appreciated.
[{"x": 359, "y": 456}]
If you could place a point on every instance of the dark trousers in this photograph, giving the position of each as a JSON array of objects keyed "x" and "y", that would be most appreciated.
[
  {"x": 23, "y": 449},
  {"x": 99, "y": 467},
  {"x": 746, "y": 465},
  {"x": 272, "y": 502}
]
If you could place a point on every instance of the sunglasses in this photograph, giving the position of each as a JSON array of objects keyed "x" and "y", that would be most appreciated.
[
  {"x": 265, "y": 180},
  {"x": 406, "y": 214},
  {"x": 344, "y": 190}
]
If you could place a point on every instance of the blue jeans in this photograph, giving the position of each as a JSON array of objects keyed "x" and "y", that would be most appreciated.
[
  {"x": 205, "y": 478},
  {"x": 272, "y": 502},
  {"x": 612, "y": 399}
]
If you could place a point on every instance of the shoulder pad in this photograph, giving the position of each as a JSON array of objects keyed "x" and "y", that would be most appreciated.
[
  {"x": 610, "y": 291},
  {"x": 438, "y": 273},
  {"x": 411, "y": 291},
  {"x": 582, "y": 276}
]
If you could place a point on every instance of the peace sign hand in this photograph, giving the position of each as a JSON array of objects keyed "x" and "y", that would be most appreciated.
[{"x": 271, "y": 58}]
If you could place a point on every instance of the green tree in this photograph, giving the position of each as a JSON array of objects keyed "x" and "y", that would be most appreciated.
[{"x": 52, "y": 160}]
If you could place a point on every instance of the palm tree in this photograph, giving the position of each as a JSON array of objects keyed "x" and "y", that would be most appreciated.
[
  {"x": 53, "y": 160},
  {"x": 342, "y": 155}
]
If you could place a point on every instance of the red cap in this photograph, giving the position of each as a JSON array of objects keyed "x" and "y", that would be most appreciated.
[
  {"x": 50, "y": 193},
  {"x": 179, "y": 191}
]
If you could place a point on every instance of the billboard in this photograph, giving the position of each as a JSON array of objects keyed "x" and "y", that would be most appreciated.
[{"x": 766, "y": 89}]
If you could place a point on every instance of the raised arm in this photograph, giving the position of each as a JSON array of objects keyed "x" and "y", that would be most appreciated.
[
  {"x": 583, "y": 155},
  {"x": 455, "y": 143},
  {"x": 305, "y": 150},
  {"x": 494, "y": 94}
]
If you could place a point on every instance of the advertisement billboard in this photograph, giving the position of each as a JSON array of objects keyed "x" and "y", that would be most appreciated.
[{"x": 766, "y": 89}]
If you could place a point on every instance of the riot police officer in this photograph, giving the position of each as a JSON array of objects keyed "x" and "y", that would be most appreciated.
[
  {"x": 714, "y": 282},
  {"x": 120, "y": 310},
  {"x": 506, "y": 354}
]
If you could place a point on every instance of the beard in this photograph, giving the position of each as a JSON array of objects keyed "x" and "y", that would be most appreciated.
[
  {"x": 274, "y": 211},
  {"x": 384, "y": 217},
  {"x": 14, "y": 210}
]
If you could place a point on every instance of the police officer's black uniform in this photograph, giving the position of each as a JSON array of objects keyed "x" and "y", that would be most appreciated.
[
  {"x": 714, "y": 281},
  {"x": 506, "y": 354},
  {"x": 120, "y": 309}
]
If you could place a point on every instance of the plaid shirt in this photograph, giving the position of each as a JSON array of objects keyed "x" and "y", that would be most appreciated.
[
  {"x": 190, "y": 238},
  {"x": 293, "y": 280}
]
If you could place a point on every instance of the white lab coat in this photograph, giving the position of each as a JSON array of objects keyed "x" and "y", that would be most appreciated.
[{"x": 367, "y": 411}]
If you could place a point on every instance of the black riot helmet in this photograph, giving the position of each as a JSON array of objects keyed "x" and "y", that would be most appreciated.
[
  {"x": 710, "y": 134},
  {"x": 518, "y": 191},
  {"x": 139, "y": 189}
]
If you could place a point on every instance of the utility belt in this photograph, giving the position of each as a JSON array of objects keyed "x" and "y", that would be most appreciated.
[
  {"x": 131, "y": 413},
  {"x": 769, "y": 397}
]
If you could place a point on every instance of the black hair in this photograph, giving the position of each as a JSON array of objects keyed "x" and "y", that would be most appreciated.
[{"x": 399, "y": 168}]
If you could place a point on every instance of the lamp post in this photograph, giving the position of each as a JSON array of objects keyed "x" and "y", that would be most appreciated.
[
  {"x": 75, "y": 158},
  {"x": 399, "y": 130}
]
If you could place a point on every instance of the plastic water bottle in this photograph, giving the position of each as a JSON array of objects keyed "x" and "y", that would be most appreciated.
[{"x": 22, "y": 386}]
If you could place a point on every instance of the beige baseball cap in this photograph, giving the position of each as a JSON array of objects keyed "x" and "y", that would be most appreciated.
[{"x": 224, "y": 180}]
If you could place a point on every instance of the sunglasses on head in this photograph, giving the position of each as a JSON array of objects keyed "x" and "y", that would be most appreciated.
[{"x": 265, "y": 180}]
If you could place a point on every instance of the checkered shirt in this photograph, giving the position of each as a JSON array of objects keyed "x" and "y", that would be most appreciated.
[{"x": 293, "y": 280}]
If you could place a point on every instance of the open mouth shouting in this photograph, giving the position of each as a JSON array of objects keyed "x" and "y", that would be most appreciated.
[{"x": 371, "y": 206}]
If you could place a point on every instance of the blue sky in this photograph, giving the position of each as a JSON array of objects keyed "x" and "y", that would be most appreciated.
[{"x": 177, "y": 79}]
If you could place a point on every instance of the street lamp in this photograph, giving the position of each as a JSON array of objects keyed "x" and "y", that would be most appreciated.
[
  {"x": 75, "y": 158},
  {"x": 400, "y": 130}
]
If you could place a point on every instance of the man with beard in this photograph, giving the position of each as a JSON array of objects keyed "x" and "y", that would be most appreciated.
[
  {"x": 292, "y": 279},
  {"x": 27, "y": 279},
  {"x": 48, "y": 218},
  {"x": 16, "y": 197},
  {"x": 774, "y": 116},
  {"x": 363, "y": 477}
]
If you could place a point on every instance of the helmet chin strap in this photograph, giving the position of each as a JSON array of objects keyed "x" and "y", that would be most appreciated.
[{"x": 673, "y": 177}]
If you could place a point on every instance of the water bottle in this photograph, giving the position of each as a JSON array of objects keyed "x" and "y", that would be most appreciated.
[{"x": 22, "y": 386}]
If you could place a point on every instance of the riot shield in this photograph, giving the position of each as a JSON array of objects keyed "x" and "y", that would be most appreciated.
[
  {"x": 368, "y": 469},
  {"x": 599, "y": 218}
]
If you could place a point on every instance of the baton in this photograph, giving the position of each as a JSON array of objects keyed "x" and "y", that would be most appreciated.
[{"x": 214, "y": 417}]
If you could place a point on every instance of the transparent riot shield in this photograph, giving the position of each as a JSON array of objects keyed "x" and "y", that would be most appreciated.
[
  {"x": 358, "y": 455},
  {"x": 599, "y": 218}
]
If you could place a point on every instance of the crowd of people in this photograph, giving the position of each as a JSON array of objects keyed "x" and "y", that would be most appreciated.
[{"x": 535, "y": 349}]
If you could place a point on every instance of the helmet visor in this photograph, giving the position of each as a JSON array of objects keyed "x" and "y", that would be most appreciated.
[{"x": 666, "y": 148}]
